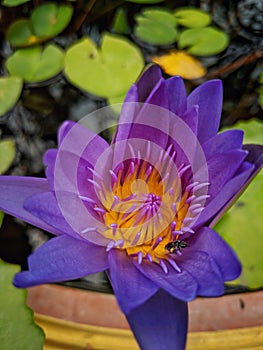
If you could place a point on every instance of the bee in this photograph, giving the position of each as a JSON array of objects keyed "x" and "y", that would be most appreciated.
[{"x": 172, "y": 247}]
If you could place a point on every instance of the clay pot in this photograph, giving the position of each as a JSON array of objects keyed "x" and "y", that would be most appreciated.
[{"x": 79, "y": 319}]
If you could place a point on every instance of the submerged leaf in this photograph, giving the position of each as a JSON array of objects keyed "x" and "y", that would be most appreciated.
[
  {"x": 10, "y": 90},
  {"x": 17, "y": 328},
  {"x": 203, "y": 41},
  {"x": 180, "y": 63},
  {"x": 36, "y": 64},
  {"x": 192, "y": 17},
  {"x": 156, "y": 27},
  {"x": 7, "y": 154},
  {"x": 107, "y": 71}
]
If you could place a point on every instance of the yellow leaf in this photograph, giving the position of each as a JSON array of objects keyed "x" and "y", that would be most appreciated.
[{"x": 180, "y": 63}]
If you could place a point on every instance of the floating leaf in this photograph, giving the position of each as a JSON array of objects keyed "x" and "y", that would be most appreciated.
[
  {"x": 7, "y": 154},
  {"x": 156, "y": 27},
  {"x": 17, "y": 328},
  {"x": 203, "y": 41},
  {"x": 11, "y": 3},
  {"x": 192, "y": 17},
  {"x": 180, "y": 63},
  {"x": 50, "y": 19},
  {"x": 36, "y": 64},
  {"x": 47, "y": 21},
  {"x": 107, "y": 71},
  {"x": 10, "y": 90},
  {"x": 241, "y": 226},
  {"x": 120, "y": 22},
  {"x": 20, "y": 33}
]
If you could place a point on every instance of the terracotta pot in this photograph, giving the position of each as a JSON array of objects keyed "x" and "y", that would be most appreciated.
[{"x": 79, "y": 319}]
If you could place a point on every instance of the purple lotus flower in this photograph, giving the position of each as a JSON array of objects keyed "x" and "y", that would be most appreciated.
[{"x": 142, "y": 207}]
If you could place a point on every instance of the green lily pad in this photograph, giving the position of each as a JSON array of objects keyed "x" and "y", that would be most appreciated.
[
  {"x": 50, "y": 19},
  {"x": 20, "y": 33},
  {"x": 10, "y": 90},
  {"x": 192, "y": 17},
  {"x": 17, "y": 328},
  {"x": 107, "y": 71},
  {"x": 11, "y": 3},
  {"x": 7, "y": 154},
  {"x": 47, "y": 21},
  {"x": 36, "y": 64},
  {"x": 120, "y": 22},
  {"x": 203, "y": 41},
  {"x": 241, "y": 226},
  {"x": 156, "y": 27}
]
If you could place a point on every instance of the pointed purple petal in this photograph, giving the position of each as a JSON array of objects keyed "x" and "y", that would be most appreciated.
[
  {"x": 62, "y": 258},
  {"x": 14, "y": 190},
  {"x": 223, "y": 142},
  {"x": 45, "y": 207},
  {"x": 160, "y": 323},
  {"x": 222, "y": 168},
  {"x": 204, "y": 270},
  {"x": 214, "y": 210},
  {"x": 177, "y": 95},
  {"x": 50, "y": 160},
  {"x": 130, "y": 286},
  {"x": 235, "y": 187},
  {"x": 209, "y": 98},
  {"x": 181, "y": 285},
  {"x": 255, "y": 157},
  {"x": 207, "y": 240},
  {"x": 148, "y": 81},
  {"x": 64, "y": 129}
]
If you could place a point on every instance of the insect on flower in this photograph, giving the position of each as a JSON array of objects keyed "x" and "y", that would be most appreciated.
[{"x": 176, "y": 245}]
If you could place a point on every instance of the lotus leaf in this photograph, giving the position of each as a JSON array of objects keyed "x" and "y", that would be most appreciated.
[
  {"x": 241, "y": 226},
  {"x": 107, "y": 71},
  {"x": 10, "y": 90},
  {"x": 7, "y": 154},
  {"x": 18, "y": 330},
  {"x": 192, "y": 17},
  {"x": 156, "y": 27},
  {"x": 203, "y": 41},
  {"x": 47, "y": 21},
  {"x": 36, "y": 64}
]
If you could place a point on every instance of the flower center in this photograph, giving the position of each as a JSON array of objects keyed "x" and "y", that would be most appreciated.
[{"x": 148, "y": 210}]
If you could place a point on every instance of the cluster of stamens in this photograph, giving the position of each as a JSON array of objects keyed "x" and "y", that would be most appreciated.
[{"x": 144, "y": 211}]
